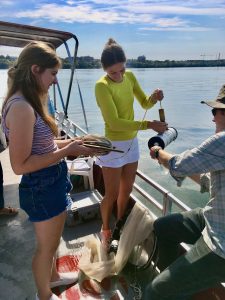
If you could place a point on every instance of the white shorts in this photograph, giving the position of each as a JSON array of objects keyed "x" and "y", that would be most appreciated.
[{"x": 116, "y": 159}]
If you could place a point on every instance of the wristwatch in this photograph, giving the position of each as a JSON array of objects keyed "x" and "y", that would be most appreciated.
[{"x": 157, "y": 153}]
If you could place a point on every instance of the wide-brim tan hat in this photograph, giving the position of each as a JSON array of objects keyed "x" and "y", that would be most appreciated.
[{"x": 219, "y": 102}]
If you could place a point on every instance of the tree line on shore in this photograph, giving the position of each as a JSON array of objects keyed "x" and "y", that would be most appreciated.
[{"x": 88, "y": 62}]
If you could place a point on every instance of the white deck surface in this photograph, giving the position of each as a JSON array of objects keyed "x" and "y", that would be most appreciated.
[
  {"x": 16, "y": 243},
  {"x": 11, "y": 180}
]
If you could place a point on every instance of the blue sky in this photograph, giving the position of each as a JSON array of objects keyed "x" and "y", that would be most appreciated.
[{"x": 167, "y": 29}]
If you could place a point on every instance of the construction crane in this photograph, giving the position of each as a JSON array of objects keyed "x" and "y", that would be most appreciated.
[{"x": 206, "y": 55}]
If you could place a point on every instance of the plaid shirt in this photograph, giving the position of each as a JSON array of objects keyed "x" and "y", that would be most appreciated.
[{"x": 208, "y": 158}]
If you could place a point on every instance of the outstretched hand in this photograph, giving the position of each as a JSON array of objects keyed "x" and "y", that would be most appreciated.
[{"x": 157, "y": 126}]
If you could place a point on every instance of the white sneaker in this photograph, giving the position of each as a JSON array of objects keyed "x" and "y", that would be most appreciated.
[
  {"x": 65, "y": 279},
  {"x": 53, "y": 297}
]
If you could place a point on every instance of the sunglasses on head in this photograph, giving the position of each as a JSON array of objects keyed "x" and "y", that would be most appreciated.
[{"x": 214, "y": 110}]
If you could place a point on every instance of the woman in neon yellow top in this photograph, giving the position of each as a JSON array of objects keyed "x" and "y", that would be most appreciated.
[{"x": 115, "y": 94}]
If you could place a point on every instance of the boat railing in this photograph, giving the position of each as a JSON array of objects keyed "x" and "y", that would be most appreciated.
[
  {"x": 161, "y": 203},
  {"x": 69, "y": 128},
  {"x": 166, "y": 202},
  {"x": 169, "y": 202}
]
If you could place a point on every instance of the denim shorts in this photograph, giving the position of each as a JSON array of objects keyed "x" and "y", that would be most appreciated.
[{"x": 44, "y": 194}]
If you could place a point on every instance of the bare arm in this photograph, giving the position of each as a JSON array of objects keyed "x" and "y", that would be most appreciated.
[
  {"x": 163, "y": 158},
  {"x": 63, "y": 143},
  {"x": 20, "y": 121}
]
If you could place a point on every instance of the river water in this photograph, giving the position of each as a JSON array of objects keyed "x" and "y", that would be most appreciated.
[{"x": 183, "y": 88}]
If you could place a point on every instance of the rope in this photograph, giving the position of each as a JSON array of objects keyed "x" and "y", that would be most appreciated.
[
  {"x": 135, "y": 286},
  {"x": 82, "y": 103}
]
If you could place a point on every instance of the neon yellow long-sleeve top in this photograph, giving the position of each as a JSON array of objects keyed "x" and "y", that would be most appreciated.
[{"x": 116, "y": 103}]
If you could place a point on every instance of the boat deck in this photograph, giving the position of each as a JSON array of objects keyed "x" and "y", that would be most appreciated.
[{"x": 17, "y": 244}]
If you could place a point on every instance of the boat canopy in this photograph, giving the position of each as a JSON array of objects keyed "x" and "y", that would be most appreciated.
[{"x": 19, "y": 35}]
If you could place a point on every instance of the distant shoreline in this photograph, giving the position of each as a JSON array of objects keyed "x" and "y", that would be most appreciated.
[{"x": 88, "y": 62}]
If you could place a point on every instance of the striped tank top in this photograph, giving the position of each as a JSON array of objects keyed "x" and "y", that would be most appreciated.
[{"x": 43, "y": 138}]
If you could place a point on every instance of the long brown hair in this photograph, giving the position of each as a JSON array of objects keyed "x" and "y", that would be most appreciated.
[
  {"x": 112, "y": 54},
  {"x": 21, "y": 78}
]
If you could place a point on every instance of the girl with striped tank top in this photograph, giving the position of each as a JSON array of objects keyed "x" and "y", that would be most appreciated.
[{"x": 34, "y": 153}]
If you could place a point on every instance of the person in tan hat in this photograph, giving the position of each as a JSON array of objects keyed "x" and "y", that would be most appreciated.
[
  {"x": 203, "y": 265},
  {"x": 219, "y": 102}
]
